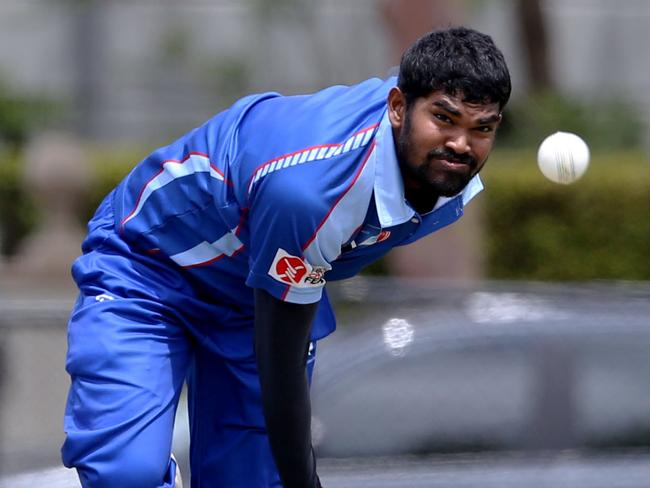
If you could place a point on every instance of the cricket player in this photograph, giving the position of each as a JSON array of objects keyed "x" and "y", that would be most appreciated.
[{"x": 208, "y": 263}]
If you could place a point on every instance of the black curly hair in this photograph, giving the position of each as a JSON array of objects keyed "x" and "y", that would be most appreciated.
[{"x": 456, "y": 61}]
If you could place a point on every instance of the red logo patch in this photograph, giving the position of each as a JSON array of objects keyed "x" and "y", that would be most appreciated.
[
  {"x": 290, "y": 269},
  {"x": 383, "y": 235}
]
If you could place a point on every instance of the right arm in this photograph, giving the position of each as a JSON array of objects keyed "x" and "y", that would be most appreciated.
[{"x": 282, "y": 337}]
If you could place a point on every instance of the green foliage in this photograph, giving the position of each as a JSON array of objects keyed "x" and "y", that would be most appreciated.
[
  {"x": 15, "y": 116},
  {"x": 597, "y": 228},
  {"x": 608, "y": 124},
  {"x": 17, "y": 211},
  {"x": 19, "y": 115}
]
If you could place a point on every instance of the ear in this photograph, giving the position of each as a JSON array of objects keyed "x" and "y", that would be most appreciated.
[{"x": 396, "y": 108}]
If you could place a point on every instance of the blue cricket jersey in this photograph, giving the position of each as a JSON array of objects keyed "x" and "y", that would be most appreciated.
[{"x": 279, "y": 193}]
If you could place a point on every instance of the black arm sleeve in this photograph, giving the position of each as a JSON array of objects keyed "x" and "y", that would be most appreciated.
[{"x": 282, "y": 335}]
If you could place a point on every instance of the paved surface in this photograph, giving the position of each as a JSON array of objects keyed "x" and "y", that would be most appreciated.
[
  {"x": 555, "y": 470},
  {"x": 565, "y": 470}
]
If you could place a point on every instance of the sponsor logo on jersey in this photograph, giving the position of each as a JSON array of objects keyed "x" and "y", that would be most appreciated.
[
  {"x": 290, "y": 269},
  {"x": 383, "y": 235},
  {"x": 296, "y": 271},
  {"x": 316, "y": 276}
]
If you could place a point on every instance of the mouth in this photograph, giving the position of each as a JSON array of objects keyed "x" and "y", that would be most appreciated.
[{"x": 454, "y": 165}]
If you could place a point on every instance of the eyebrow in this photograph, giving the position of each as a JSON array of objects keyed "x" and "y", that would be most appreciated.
[
  {"x": 453, "y": 111},
  {"x": 490, "y": 120},
  {"x": 445, "y": 106}
]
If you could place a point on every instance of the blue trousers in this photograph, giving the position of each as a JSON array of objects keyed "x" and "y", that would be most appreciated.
[{"x": 136, "y": 334}]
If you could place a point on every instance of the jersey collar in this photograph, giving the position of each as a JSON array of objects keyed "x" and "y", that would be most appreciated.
[{"x": 392, "y": 207}]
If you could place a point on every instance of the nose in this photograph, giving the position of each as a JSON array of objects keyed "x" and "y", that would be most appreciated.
[{"x": 458, "y": 141}]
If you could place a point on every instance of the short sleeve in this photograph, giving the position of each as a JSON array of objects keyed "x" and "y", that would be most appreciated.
[
  {"x": 285, "y": 258},
  {"x": 303, "y": 208}
]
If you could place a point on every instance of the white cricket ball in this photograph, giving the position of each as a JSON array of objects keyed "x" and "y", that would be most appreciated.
[{"x": 563, "y": 157}]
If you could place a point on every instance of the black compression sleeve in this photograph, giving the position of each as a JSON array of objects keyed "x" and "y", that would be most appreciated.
[{"x": 282, "y": 334}]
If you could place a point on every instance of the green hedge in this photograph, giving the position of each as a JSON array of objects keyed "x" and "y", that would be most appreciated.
[
  {"x": 18, "y": 215},
  {"x": 597, "y": 228},
  {"x": 17, "y": 212}
]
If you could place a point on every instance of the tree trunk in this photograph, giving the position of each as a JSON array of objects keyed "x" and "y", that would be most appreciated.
[{"x": 534, "y": 39}]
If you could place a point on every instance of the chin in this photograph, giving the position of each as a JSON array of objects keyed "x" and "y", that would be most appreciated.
[{"x": 449, "y": 187}]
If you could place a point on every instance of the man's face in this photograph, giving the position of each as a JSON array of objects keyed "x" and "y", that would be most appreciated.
[{"x": 441, "y": 141}]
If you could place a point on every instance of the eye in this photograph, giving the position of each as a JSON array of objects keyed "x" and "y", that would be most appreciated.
[
  {"x": 485, "y": 129},
  {"x": 443, "y": 118}
]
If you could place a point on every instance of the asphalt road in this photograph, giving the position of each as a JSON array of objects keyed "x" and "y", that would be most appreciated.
[
  {"x": 558, "y": 470},
  {"x": 566, "y": 469}
]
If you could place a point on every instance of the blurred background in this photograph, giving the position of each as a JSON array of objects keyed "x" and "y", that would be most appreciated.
[{"x": 507, "y": 350}]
